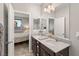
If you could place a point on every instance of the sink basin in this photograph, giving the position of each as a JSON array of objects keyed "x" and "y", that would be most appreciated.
[
  {"x": 43, "y": 37},
  {"x": 50, "y": 40},
  {"x": 54, "y": 43}
]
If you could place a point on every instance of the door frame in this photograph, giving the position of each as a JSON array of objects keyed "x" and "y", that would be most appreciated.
[
  {"x": 11, "y": 22},
  {"x": 30, "y": 25},
  {"x": 10, "y": 29}
]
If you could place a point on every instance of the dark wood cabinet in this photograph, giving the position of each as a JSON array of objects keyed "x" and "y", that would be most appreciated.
[
  {"x": 44, "y": 51},
  {"x": 34, "y": 46},
  {"x": 41, "y": 50},
  {"x": 64, "y": 52}
]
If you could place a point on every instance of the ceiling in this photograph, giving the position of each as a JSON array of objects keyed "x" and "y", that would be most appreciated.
[
  {"x": 41, "y": 4},
  {"x": 54, "y": 4}
]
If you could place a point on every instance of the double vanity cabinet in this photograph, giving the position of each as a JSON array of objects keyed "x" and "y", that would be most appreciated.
[{"x": 40, "y": 49}]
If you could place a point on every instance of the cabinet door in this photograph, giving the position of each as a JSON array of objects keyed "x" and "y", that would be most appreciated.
[
  {"x": 42, "y": 52},
  {"x": 34, "y": 46},
  {"x": 36, "y": 24},
  {"x": 34, "y": 50}
]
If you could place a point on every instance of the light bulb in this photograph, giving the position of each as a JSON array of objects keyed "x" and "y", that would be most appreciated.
[
  {"x": 49, "y": 6},
  {"x": 45, "y": 10}
]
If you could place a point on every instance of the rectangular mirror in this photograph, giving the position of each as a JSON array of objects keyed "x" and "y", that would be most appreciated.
[
  {"x": 59, "y": 24},
  {"x": 51, "y": 25}
]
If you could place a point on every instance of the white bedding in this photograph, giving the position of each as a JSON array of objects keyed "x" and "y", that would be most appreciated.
[{"x": 19, "y": 37}]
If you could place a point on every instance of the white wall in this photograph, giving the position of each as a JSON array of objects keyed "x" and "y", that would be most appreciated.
[
  {"x": 1, "y": 13},
  {"x": 74, "y": 27},
  {"x": 63, "y": 11},
  {"x": 34, "y": 9},
  {"x": 72, "y": 17}
]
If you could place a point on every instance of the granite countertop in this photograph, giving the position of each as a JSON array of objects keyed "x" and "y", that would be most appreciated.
[{"x": 51, "y": 43}]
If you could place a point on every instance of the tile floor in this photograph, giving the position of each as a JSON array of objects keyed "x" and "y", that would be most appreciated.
[{"x": 22, "y": 49}]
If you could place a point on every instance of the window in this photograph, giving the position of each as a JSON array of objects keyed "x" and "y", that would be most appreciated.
[{"x": 18, "y": 23}]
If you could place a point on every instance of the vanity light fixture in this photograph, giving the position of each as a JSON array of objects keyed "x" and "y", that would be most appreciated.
[{"x": 49, "y": 8}]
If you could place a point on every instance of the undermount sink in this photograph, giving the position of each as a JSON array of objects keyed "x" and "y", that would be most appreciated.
[
  {"x": 42, "y": 37},
  {"x": 53, "y": 43},
  {"x": 50, "y": 40},
  {"x": 46, "y": 38}
]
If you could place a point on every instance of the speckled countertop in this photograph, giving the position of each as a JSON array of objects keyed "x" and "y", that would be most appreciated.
[{"x": 55, "y": 46}]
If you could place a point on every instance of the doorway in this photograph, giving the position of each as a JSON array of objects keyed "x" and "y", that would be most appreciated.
[
  {"x": 16, "y": 25},
  {"x": 22, "y": 33}
]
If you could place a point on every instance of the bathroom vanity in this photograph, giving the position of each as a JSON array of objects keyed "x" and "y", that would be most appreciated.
[{"x": 44, "y": 46}]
